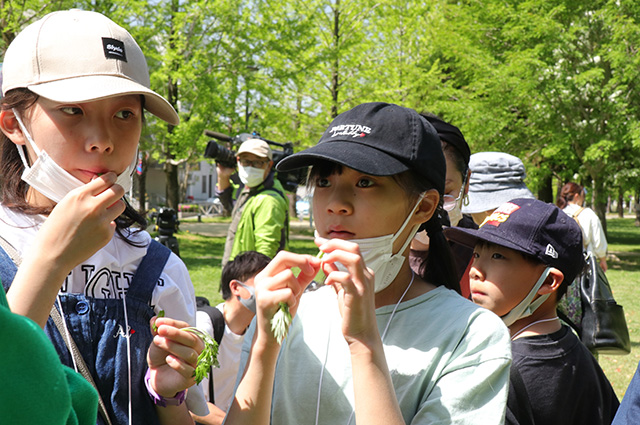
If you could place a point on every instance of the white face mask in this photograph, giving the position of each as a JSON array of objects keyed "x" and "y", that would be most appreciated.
[
  {"x": 250, "y": 176},
  {"x": 50, "y": 179},
  {"x": 455, "y": 215},
  {"x": 378, "y": 253},
  {"x": 526, "y": 307}
]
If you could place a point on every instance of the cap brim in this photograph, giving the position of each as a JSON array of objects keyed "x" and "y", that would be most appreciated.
[
  {"x": 469, "y": 238},
  {"x": 488, "y": 200},
  {"x": 354, "y": 155},
  {"x": 96, "y": 87}
]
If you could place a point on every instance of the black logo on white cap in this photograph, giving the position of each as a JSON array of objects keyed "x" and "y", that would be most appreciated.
[{"x": 114, "y": 49}]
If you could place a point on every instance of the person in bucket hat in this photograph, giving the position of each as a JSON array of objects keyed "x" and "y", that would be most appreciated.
[
  {"x": 496, "y": 177},
  {"x": 75, "y": 85},
  {"x": 377, "y": 342},
  {"x": 526, "y": 253}
]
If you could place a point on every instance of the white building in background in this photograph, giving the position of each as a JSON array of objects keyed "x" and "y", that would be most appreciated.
[{"x": 202, "y": 182}]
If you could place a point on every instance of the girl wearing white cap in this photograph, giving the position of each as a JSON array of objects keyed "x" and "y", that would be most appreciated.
[
  {"x": 74, "y": 88},
  {"x": 377, "y": 343}
]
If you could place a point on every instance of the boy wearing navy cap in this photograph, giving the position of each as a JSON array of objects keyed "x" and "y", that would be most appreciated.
[{"x": 525, "y": 255}]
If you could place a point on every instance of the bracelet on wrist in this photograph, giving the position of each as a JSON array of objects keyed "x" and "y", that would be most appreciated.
[{"x": 159, "y": 400}]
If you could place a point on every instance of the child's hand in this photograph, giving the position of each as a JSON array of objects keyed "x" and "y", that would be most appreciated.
[
  {"x": 83, "y": 222},
  {"x": 277, "y": 283},
  {"x": 172, "y": 356},
  {"x": 354, "y": 287}
]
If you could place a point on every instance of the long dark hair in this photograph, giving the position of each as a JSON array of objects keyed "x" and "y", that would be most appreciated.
[
  {"x": 568, "y": 192},
  {"x": 439, "y": 267},
  {"x": 13, "y": 189}
]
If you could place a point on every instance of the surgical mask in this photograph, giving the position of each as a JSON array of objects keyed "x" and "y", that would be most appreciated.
[
  {"x": 249, "y": 303},
  {"x": 526, "y": 307},
  {"x": 250, "y": 176},
  {"x": 378, "y": 253},
  {"x": 50, "y": 179}
]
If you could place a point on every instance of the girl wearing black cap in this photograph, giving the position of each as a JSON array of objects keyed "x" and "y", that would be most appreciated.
[{"x": 377, "y": 343}]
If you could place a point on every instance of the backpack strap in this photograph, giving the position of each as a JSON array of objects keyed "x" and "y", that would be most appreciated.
[{"x": 217, "y": 320}]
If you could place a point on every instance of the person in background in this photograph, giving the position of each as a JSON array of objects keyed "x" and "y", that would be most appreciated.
[
  {"x": 571, "y": 199},
  {"x": 260, "y": 216},
  {"x": 236, "y": 313},
  {"x": 496, "y": 177},
  {"x": 456, "y": 185},
  {"x": 526, "y": 254}
]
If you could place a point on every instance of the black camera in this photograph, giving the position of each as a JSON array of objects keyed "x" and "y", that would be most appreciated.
[
  {"x": 226, "y": 157},
  {"x": 220, "y": 154}
]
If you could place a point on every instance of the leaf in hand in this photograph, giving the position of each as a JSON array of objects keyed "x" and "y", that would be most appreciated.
[
  {"x": 208, "y": 357},
  {"x": 280, "y": 322},
  {"x": 160, "y": 314}
]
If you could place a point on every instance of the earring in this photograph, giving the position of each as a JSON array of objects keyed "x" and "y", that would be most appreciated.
[{"x": 465, "y": 200}]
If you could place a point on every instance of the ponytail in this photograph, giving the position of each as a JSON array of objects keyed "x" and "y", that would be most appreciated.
[{"x": 439, "y": 266}]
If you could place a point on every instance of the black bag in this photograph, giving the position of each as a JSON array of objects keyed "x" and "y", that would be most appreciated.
[{"x": 604, "y": 327}]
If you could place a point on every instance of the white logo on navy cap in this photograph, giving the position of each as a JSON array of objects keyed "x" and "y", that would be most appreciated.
[{"x": 551, "y": 251}]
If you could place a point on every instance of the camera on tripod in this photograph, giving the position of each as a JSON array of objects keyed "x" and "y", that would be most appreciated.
[{"x": 227, "y": 158}]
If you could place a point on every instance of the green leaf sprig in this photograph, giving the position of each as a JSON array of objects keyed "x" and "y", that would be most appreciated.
[
  {"x": 208, "y": 358},
  {"x": 280, "y": 322}
]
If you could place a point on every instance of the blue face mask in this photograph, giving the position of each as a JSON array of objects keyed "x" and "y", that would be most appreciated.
[{"x": 249, "y": 303}]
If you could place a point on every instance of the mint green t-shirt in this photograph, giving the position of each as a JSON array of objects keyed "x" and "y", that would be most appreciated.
[{"x": 448, "y": 358}]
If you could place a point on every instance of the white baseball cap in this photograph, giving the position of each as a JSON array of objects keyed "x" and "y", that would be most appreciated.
[
  {"x": 257, "y": 147},
  {"x": 80, "y": 56}
]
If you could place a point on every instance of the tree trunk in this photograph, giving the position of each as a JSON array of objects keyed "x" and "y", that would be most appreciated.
[{"x": 545, "y": 193}]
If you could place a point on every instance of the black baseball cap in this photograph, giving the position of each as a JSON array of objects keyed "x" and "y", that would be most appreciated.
[
  {"x": 450, "y": 134},
  {"x": 533, "y": 227},
  {"x": 380, "y": 139}
]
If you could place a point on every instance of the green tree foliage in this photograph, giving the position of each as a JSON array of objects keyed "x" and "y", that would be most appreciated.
[{"x": 554, "y": 82}]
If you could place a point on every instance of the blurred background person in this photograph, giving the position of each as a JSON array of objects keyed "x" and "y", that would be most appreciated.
[
  {"x": 496, "y": 178},
  {"x": 571, "y": 201}
]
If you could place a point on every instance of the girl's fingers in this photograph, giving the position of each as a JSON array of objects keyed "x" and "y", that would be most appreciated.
[{"x": 285, "y": 260}]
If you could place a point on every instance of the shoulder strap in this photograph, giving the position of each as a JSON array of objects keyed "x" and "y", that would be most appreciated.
[
  {"x": 216, "y": 316},
  {"x": 217, "y": 320},
  {"x": 577, "y": 213},
  {"x": 148, "y": 272}
]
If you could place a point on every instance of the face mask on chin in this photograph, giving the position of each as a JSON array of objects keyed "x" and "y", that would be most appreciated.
[
  {"x": 378, "y": 253},
  {"x": 50, "y": 179},
  {"x": 526, "y": 307}
]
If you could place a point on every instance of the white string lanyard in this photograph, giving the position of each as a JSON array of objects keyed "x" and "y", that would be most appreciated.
[
  {"x": 127, "y": 336},
  {"x": 531, "y": 324},
  {"x": 384, "y": 333}
]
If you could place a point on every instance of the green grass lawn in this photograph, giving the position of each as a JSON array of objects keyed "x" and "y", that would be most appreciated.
[{"x": 203, "y": 255}]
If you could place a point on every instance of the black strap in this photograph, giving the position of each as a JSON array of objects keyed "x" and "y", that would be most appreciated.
[{"x": 217, "y": 320}]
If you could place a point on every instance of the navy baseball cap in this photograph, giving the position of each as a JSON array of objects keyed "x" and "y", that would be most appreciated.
[
  {"x": 380, "y": 139},
  {"x": 533, "y": 227}
]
